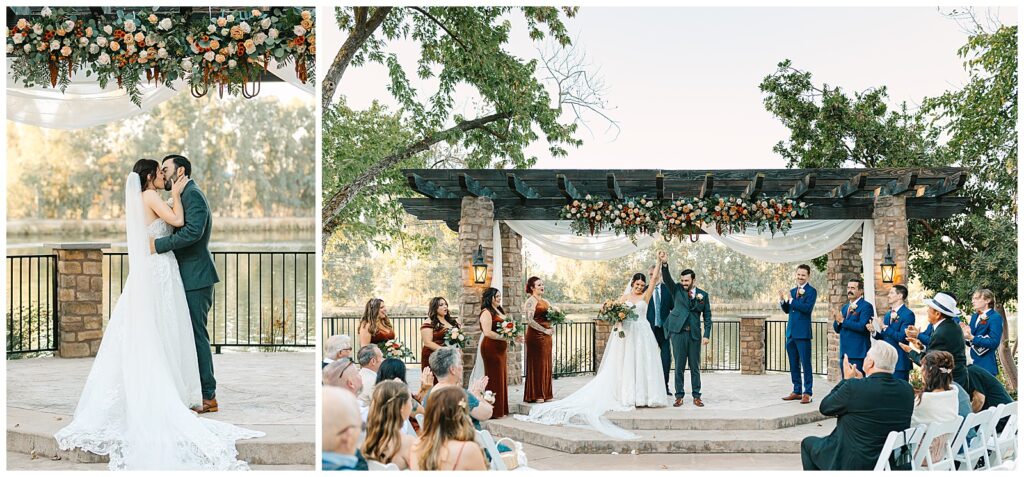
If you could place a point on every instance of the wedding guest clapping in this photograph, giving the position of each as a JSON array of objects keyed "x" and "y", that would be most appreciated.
[
  {"x": 947, "y": 336},
  {"x": 799, "y": 304},
  {"x": 394, "y": 369},
  {"x": 446, "y": 364},
  {"x": 447, "y": 439},
  {"x": 985, "y": 331},
  {"x": 390, "y": 409},
  {"x": 894, "y": 327}
]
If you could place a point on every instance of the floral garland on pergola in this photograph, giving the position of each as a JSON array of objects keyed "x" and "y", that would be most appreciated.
[
  {"x": 682, "y": 217},
  {"x": 229, "y": 51}
]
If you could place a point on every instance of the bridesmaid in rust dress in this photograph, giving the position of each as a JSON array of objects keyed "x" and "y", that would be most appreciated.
[
  {"x": 439, "y": 321},
  {"x": 493, "y": 351},
  {"x": 538, "y": 344},
  {"x": 374, "y": 326}
]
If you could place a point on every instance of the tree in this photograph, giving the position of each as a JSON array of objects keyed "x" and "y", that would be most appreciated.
[
  {"x": 459, "y": 46},
  {"x": 976, "y": 248}
]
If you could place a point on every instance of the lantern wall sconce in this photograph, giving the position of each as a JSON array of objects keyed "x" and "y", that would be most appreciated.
[
  {"x": 888, "y": 266},
  {"x": 479, "y": 266}
]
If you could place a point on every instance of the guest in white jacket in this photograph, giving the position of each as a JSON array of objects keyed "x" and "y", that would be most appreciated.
[{"x": 938, "y": 401}]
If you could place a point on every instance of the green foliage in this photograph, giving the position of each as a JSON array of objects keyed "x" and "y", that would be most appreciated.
[
  {"x": 828, "y": 128},
  {"x": 253, "y": 158}
]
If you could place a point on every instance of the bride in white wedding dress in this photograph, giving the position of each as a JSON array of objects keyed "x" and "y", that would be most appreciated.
[
  {"x": 630, "y": 375},
  {"x": 135, "y": 407}
]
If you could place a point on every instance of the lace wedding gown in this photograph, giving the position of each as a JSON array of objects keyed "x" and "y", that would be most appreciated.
[
  {"x": 630, "y": 376},
  {"x": 135, "y": 407}
]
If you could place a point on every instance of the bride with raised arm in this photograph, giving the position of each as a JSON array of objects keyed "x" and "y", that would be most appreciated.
[{"x": 630, "y": 375}]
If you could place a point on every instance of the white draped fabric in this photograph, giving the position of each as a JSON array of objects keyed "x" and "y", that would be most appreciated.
[
  {"x": 806, "y": 240},
  {"x": 85, "y": 104}
]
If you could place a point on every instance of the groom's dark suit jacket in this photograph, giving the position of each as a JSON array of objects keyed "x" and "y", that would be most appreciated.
[
  {"x": 190, "y": 242},
  {"x": 686, "y": 312}
]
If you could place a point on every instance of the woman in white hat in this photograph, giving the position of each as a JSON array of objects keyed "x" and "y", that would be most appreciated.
[{"x": 947, "y": 336}]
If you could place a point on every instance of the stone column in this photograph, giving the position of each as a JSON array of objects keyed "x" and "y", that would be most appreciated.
[
  {"x": 513, "y": 294},
  {"x": 890, "y": 217},
  {"x": 602, "y": 333},
  {"x": 476, "y": 227},
  {"x": 752, "y": 345},
  {"x": 844, "y": 263},
  {"x": 79, "y": 298}
]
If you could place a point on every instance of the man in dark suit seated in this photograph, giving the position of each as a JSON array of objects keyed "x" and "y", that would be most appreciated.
[
  {"x": 341, "y": 426},
  {"x": 947, "y": 336},
  {"x": 866, "y": 408},
  {"x": 986, "y": 391}
]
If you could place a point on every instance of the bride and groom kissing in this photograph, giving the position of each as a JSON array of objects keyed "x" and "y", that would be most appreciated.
[
  {"x": 153, "y": 373},
  {"x": 631, "y": 374}
]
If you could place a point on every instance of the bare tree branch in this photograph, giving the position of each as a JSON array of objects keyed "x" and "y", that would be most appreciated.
[
  {"x": 361, "y": 31},
  {"x": 580, "y": 90}
]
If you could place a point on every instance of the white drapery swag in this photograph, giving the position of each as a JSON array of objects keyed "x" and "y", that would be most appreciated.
[{"x": 85, "y": 104}]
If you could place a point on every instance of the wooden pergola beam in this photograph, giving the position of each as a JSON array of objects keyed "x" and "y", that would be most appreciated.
[
  {"x": 520, "y": 188},
  {"x": 899, "y": 186},
  {"x": 754, "y": 187},
  {"x": 659, "y": 185},
  {"x": 947, "y": 186},
  {"x": 707, "y": 186},
  {"x": 427, "y": 188},
  {"x": 850, "y": 187},
  {"x": 613, "y": 187},
  {"x": 470, "y": 186},
  {"x": 803, "y": 187},
  {"x": 566, "y": 187}
]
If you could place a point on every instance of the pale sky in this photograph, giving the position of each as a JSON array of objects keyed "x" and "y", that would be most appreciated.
[{"x": 683, "y": 82}]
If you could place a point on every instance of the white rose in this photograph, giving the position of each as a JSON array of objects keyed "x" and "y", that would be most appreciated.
[
  {"x": 231, "y": 18},
  {"x": 225, "y": 31},
  {"x": 232, "y": 63},
  {"x": 10, "y": 48},
  {"x": 186, "y": 64},
  {"x": 129, "y": 26},
  {"x": 18, "y": 38},
  {"x": 108, "y": 29},
  {"x": 143, "y": 54},
  {"x": 209, "y": 56},
  {"x": 28, "y": 48},
  {"x": 299, "y": 31},
  {"x": 46, "y": 12},
  {"x": 104, "y": 59},
  {"x": 101, "y": 41},
  {"x": 37, "y": 29},
  {"x": 54, "y": 45},
  {"x": 69, "y": 25},
  {"x": 250, "y": 49},
  {"x": 83, "y": 42},
  {"x": 211, "y": 28},
  {"x": 165, "y": 24},
  {"x": 245, "y": 27},
  {"x": 130, "y": 49},
  {"x": 259, "y": 38},
  {"x": 265, "y": 23},
  {"x": 273, "y": 33},
  {"x": 94, "y": 48},
  {"x": 195, "y": 48},
  {"x": 150, "y": 41},
  {"x": 161, "y": 53}
]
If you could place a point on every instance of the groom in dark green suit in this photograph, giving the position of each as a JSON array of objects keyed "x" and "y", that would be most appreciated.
[
  {"x": 683, "y": 326},
  {"x": 195, "y": 263}
]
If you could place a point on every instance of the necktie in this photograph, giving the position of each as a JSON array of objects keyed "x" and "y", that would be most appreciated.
[{"x": 657, "y": 305}]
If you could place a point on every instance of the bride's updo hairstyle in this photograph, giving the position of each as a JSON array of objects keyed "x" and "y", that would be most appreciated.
[
  {"x": 638, "y": 277},
  {"x": 146, "y": 169}
]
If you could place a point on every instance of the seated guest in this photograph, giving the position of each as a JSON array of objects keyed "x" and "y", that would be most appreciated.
[
  {"x": 390, "y": 408},
  {"x": 340, "y": 430},
  {"x": 947, "y": 336},
  {"x": 985, "y": 331},
  {"x": 866, "y": 408},
  {"x": 344, "y": 374},
  {"x": 937, "y": 402},
  {"x": 446, "y": 364},
  {"x": 369, "y": 357},
  {"x": 394, "y": 369},
  {"x": 447, "y": 441},
  {"x": 987, "y": 392},
  {"x": 337, "y": 347}
]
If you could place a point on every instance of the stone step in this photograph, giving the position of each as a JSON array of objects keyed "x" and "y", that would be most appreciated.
[
  {"x": 575, "y": 440},
  {"x": 31, "y": 432},
  {"x": 688, "y": 417}
]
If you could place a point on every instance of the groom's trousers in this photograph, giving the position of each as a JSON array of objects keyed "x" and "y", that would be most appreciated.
[
  {"x": 199, "y": 303},
  {"x": 685, "y": 349}
]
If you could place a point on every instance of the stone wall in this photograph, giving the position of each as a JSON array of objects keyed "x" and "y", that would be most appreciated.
[
  {"x": 752, "y": 345},
  {"x": 890, "y": 218},
  {"x": 513, "y": 294},
  {"x": 844, "y": 263},
  {"x": 476, "y": 227},
  {"x": 79, "y": 299}
]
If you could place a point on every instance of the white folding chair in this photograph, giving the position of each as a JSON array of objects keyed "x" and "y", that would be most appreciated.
[
  {"x": 487, "y": 442},
  {"x": 934, "y": 437},
  {"x": 909, "y": 438},
  {"x": 967, "y": 452},
  {"x": 374, "y": 465},
  {"x": 419, "y": 419},
  {"x": 1002, "y": 445}
]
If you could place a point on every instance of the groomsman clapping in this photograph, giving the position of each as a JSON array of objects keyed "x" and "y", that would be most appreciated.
[
  {"x": 851, "y": 324},
  {"x": 799, "y": 304}
]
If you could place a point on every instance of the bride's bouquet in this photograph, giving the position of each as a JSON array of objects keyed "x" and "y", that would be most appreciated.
[
  {"x": 556, "y": 316},
  {"x": 616, "y": 312},
  {"x": 455, "y": 337},
  {"x": 395, "y": 349},
  {"x": 510, "y": 329}
]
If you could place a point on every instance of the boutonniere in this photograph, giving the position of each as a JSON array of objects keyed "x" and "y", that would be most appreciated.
[
  {"x": 853, "y": 307},
  {"x": 799, "y": 292},
  {"x": 983, "y": 319},
  {"x": 700, "y": 297}
]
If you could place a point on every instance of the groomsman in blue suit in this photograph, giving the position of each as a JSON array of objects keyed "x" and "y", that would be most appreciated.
[
  {"x": 852, "y": 325},
  {"x": 984, "y": 332},
  {"x": 799, "y": 305},
  {"x": 894, "y": 329}
]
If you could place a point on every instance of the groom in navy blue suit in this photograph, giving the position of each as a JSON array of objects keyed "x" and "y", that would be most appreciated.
[{"x": 799, "y": 305}]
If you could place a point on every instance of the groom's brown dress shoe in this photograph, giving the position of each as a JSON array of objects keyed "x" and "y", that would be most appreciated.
[
  {"x": 679, "y": 402},
  {"x": 697, "y": 402},
  {"x": 209, "y": 405},
  {"x": 791, "y": 397},
  {"x": 806, "y": 399}
]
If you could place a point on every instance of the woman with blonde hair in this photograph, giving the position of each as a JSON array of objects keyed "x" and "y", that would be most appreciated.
[
  {"x": 375, "y": 327},
  {"x": 446, "y": 439},
  {"x": 390, "y": 408}
]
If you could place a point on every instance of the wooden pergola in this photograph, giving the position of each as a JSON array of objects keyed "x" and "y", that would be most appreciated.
[{"x": 469, "y": 201}]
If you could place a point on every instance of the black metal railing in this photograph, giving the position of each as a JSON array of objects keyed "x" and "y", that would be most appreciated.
[
  {"x": 775, "y": 357},
  {"x": 31, "y": 304},
  {"x": 723, "y": 352},
  {"x": 264, "y": 299}
]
